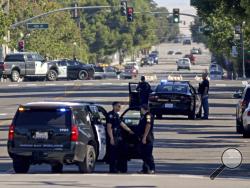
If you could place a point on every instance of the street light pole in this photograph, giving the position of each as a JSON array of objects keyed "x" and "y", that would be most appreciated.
[{"x": 243, "y": 50}]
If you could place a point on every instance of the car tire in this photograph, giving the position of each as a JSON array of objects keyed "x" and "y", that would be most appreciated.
[
  {"x": 57, "y": 168},
  {"x": 246, "y": 134},
  {"x": 239, "y": 127},
  {"x": 21, "y": 166},
  {"x": 198, "y": 116},
  {"x": 52, "y": 75},
  {"x": 15, "y": 76},
  {"x": 88, "y": 165},
  {"x": 83, "y": 75}
]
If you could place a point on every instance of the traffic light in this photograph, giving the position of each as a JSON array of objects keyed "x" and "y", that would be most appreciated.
[
  {"x": 130, "y": 14},
  {"x": 21, "y": 45},
  {"x": 176, "y": 15},
  {"x": 124, "y": 5}
]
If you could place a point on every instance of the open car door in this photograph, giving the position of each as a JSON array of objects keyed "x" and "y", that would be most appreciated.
[
  {"x": 131, "y": 118},
  {"x": 134, "y": 96}
]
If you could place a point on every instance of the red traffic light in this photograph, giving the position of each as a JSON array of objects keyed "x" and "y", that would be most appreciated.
[
  {"x": 21, "y": 43},
  {"x": 130, "y": 10}
]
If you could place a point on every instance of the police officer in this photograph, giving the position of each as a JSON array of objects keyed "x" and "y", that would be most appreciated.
[
  {"x": 117, "y": 149},
  {"x": 203, "y": 90},
  {"x": 145, "y": 133},
  {"x": 144, "y": 89}
]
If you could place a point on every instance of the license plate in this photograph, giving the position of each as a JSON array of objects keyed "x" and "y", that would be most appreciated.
[
  {"x": 169, "y": 105},
  {"x": 41, "y": 135}
]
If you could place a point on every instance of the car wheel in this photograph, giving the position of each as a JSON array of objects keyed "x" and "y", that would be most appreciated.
[
  {"x": 199, "y": 113},
  {"x": 246, "y": 134},
  {"x": 57, "y": 168},
  {"x": 52, "y": 75},
  {"x": 83, "y": 75},
  {"x": 21, "y": 166},
  {"x": 88, "y": 165},
  {"x": 15, "y": 76},
  {"x": 239, "y": 127}
]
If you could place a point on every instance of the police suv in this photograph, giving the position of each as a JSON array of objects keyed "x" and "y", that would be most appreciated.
[
  {"x": 57, "y": 133},
  {"x": 26, "y": 64}
]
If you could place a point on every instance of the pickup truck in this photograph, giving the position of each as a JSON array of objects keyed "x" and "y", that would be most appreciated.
[{"x": 26, "y": 65}]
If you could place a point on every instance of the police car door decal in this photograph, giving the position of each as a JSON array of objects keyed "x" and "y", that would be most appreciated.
[
  {"x": 40, "y": 68},
  {"x": 62, "y": 71},
  {"x": 101, "y": 134}
]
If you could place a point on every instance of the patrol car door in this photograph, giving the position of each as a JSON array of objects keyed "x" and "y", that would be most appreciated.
[
  {"x": 29, "y": 65},
  {"x": 134, "y": 96},
  {"x": 62, "y": 68},
  {"x": 99, "y": 122},
  {"x": 197, "y": 99},
  {"x": 41, "y": 68},
  {"x": 131, "y": 118}
]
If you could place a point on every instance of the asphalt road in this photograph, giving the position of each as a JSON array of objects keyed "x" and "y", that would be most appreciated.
[{"x": 189, "y": 150}]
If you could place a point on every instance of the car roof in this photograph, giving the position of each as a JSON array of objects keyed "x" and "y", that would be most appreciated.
[
  {"x": 167, "y": 82},
  {"x": 21, "y": 53},
  {"x": 52, "y": 104}
]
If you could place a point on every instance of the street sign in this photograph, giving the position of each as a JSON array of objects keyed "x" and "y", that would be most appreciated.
[{"x": 37, "y": 26}]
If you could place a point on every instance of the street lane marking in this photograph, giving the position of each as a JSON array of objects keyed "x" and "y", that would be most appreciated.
[
  {"x": 3, "y": 114},
  {"x": 50, "y": 84},
  {"x": 222, "y": 85},
  {"x": 87, "y": 84},
  {"x": 13, "y": 85},
  {"x": 107, "y": 83},
  {"x": 30, "y": 85},
  {"x": 68, "y": 84}
]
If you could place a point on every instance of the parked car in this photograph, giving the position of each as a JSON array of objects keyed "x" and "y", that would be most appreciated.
[
  {"x": 246, "y": 122},
  {"x": 191, "y": 58},
  {"x": 147, "y": 61},
  {"x": 183, "y": 63},
  {"x": 155, "y": 57},
  {"x": 105, "y": 72},
  {"x": 216, "y": 75},
  {"x": 57, "y": 133},
  {"x": 178, "y": 53},
  {"x": 187, "y": 42},
  {"x": 171, "y": 52},
  {"x": 196, "y": 51},
  {"x": 129, "y": 72},
  {"x": 26, "y": 65},
  {"x": 243, "y": 103}
]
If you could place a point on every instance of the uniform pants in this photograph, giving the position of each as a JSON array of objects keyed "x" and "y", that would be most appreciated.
[
  {"x": 147, "y": 157},
  {"x": 205, "y": 106},
  {"x": 118, "y": 159}
]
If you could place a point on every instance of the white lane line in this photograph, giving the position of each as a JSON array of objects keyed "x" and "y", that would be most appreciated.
[
  {"x": 68, "y": 84},
  {"x": 106, "y": 83},
  {"x": 50, "y": 84},
  {"x": 87, "y": 84},
  {"x": 31, "y": 84},
  {"x": 13, "y": 85},
  {"x": 222, "y": 85},
  {"x": 123, "y": 84},
  {"x": 3, "y": 114}
]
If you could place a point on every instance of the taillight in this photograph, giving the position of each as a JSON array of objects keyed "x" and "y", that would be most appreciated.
[
  {"x": 74, "y": 133},
  {"x": 11, "y": 133},
  {"x": 248, "y": 113},
  {"x": 153, "y": 98}
]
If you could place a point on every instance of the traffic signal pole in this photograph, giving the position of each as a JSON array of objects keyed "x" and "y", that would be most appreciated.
[{"x": 243, "y": 52}]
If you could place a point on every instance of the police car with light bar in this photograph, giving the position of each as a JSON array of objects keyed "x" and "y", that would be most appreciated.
[
  {"x": 175, "y": 97},
  {"x": 57, "y": 133}
]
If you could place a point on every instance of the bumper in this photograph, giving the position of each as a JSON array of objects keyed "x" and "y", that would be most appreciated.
[
  {"x": 38, "y": 156},
  {"x": 246, "y": 124},
  {"x": 180, "y": 109}
]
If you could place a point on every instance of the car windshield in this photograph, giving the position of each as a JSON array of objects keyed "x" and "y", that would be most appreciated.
[
  {"x": 98, "y": 69},
  {"x": 31, "y": 118},
  {"x": 172, "y": 88}
]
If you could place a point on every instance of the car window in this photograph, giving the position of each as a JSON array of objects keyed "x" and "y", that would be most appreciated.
[
  {"x": 110, "y": 69},
  {"x": 29, "y": 57},
  {"x": 82, "y": 117},
  {"x": 132, "y": 115},
  {"x": 247, "y": 94},
  {"x": 98, "y": 69},
  {"x": 62, "y": 63},
  {"x": 14, "y": 57},
  {"x": 172, "y": 89},
  {"x": 32, "y": 118}
]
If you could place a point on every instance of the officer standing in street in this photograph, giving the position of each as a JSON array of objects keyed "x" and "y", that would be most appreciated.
[
  {"x": 203, "y": 91},
  {"x": 144, "y": 90},
  {"x": 145, "y": 133},
  {"x": 117, "y": 148}
]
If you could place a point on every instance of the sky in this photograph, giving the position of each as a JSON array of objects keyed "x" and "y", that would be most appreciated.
[{"x": 184, "y": 6}]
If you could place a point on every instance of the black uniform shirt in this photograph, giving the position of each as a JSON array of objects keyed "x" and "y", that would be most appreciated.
[
  {"x": 145, "y": 119},
  {"x": 114, "y": 119},
  {"x": 203, "y": 85}
]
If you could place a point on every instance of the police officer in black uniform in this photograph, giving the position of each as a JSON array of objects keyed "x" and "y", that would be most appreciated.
[
  {"x": 144, "y": 90},
  {"x": 117, "y": 149},
  {"x": 145, "y": 133}
]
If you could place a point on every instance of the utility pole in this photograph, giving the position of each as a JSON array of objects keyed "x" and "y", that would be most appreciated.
[{"x": 243, "y": 50}]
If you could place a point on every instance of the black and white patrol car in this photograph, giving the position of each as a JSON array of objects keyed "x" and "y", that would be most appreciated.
[{"x": 57, "y": 133}]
